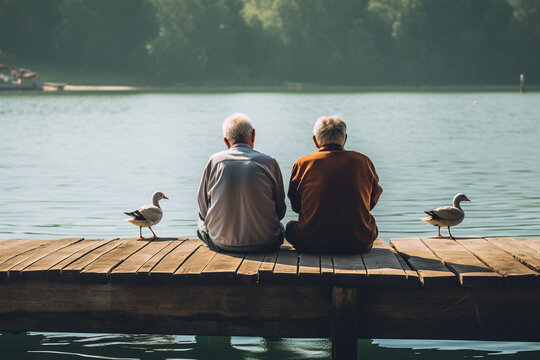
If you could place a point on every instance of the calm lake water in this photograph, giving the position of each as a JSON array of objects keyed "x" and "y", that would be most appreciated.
[{"x": 70, "y": 164}]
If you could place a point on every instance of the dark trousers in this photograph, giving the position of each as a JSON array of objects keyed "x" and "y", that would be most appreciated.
[
  {"x": 313, "y": 247},
  {"x": 202, "y": 233}
]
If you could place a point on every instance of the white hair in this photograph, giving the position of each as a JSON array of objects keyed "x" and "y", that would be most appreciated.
[
  {"x": 237, "y": 128},
  {"x": 330, "y": 130}
]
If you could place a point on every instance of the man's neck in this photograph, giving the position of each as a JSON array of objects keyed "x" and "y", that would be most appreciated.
[
  {"x": 241, "y": 145},
  {"x": 331, "y": 147}
]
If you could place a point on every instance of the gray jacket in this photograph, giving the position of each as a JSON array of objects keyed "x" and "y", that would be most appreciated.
[{"x": 241, "y": 198}]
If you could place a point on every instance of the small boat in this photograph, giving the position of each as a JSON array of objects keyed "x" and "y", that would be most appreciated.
[{"x": 21, "y": 79}]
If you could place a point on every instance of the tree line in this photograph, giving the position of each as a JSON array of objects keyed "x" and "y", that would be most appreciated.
[{"x": 337, "y": 42}]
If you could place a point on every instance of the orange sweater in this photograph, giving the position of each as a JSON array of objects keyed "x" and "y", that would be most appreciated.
[{"x": 333, "y": 191}]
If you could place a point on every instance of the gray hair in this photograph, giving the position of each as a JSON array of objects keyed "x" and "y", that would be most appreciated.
[
  {"x": 237, "y": 128},
  {"x": 330, "y": 130}
]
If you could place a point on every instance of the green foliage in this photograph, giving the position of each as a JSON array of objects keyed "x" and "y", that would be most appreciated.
[
  {"x": 337, "y": 42},
  {"x": 195, "y": 39},
  {"x": 96, "y": 34}
]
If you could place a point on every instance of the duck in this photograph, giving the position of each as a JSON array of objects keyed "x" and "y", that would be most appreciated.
[
  {"x": 447, "y": 215},
  {"x": 148, "y": 215}
]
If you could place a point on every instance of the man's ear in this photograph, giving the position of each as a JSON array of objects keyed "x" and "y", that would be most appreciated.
[
  {"x": 345, "y": 140},
  {"x": 315, "y": 141},
  {"x": 227, "y": 142},
  {"x": 252, "y": 138}
]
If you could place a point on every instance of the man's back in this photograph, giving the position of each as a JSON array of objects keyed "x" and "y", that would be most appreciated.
[
  {"x": 334, "y": 190},
  {"x": 241, "y": 198}
]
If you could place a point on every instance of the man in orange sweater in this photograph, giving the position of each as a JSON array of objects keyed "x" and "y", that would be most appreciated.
[{"x": 333, "y": 191}]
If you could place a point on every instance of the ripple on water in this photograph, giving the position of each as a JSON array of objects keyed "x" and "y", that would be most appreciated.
[
  {"x": 487, "y": 347},
  {"x": 37, "y": 345},
  {"x": 71, "y": 164}
]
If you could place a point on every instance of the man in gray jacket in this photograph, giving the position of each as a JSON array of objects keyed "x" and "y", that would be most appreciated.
[{"x": 241, "y": 196}]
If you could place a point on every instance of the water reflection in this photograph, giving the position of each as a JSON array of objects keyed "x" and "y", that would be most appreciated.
[
  {"x": 121, "y": 346},
  {"x": 127, "y": 347}
]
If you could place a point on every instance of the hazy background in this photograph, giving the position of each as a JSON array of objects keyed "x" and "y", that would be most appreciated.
[{"x": 268, "y": 42}]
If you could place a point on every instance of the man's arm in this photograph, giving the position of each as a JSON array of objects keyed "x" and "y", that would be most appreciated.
[
  {"x": 293, "y": 194},
  {"x": 202, "y": 197},
  {"x": 279, "y": 194},
  {"x": 376, "y": 189}
]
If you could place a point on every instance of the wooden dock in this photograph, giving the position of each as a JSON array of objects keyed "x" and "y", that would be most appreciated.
[{"x": 428, "y": 288}]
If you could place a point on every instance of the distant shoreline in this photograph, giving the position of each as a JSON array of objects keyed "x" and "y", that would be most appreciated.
[{"x": 294, "y": 88}]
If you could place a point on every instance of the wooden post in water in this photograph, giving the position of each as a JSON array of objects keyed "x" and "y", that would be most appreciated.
[
  {"x": 522, "y": 83},
  {"x": 344, "y": 323}
]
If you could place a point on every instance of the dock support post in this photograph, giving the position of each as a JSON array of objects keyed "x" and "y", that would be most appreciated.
[
  {"x": 345, "y": 302},
  {"x": 522, "y": 83}
]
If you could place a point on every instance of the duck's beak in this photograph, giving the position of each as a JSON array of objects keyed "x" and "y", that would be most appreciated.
[
  {"x": 168, "y": 198},
  {"x": 467, "y": 199}
]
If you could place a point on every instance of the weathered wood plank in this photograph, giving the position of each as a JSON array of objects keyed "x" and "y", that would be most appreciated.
[
  {"x": 413, "y": 279},
  {"x": 72, "y": 271},
  {"x": 128, "y": 269},
  {"x": 14, "y": 247},
  {"x": 100, "y": 269},
  {"x": 14, "y": 266},
  {"x": 267, "y": 266},
  {"x": 222, "y": 267},
  {"x": 165, "y": 269},
  {"x": 382, "y": 266},
  {"x": 349, "y": 270},
  {"x": 55, "y": 272},
  {"x": 514, "y": 272},
  {"x": 270, "y": 310},
  {"x": 494, "y": 313},
  {"x": 533, "y": 243},
  {"x": 431, "y": 270},
  {"x": 40, "y": 269},
  {"x": 471, "y": 271},
  {"x": 309, "y": 268},
  {"x": 191, "y": 269},
  {"x": 145, "y": 269},
  {"x": 519, "y": 250},
  {"x": 229, "y": 309},
  {"x": 248, "y": 272},
  {"x": 327, "y": 269},
  {"x": 286, "y": 268}
]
